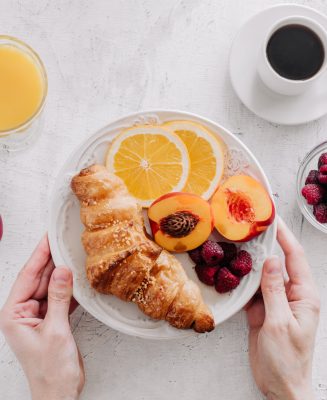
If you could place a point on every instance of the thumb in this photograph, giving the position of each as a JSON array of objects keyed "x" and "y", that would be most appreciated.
[
  {"x": 273, "y": 290},
  {"x": 59, "y": 294}
]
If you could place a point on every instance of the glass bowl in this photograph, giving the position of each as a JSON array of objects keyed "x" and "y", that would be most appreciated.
[{"x": 309, "y": 162}]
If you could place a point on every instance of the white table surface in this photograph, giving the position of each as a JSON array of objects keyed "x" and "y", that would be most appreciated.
[{"x": 106, "y": 59}]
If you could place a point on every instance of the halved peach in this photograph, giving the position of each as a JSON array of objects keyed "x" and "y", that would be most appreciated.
[
  {"x": 180, "y": 221},
  {"x": 242, "y": 208}
]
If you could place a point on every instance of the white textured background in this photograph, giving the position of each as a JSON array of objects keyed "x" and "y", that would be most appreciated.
[{"x": 108, "y": 58}]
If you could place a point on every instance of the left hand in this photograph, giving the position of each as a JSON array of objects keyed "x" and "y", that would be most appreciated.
[{"x": 35, "y": 322}]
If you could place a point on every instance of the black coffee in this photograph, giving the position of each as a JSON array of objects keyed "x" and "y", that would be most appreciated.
[{"x": 295, "y": 52}]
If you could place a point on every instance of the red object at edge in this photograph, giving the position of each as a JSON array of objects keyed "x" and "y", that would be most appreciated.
[{"x": 1, "y": 228}]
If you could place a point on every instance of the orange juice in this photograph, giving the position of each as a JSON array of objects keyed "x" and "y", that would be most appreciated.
[{"x": 21, "y": 87}]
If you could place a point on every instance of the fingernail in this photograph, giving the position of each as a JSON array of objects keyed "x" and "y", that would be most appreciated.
[
  {"x": 273, "y": 267},
  {"x": 61, "y": 275}
]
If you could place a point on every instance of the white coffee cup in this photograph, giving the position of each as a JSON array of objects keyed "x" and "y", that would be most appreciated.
[{"x": 271, "y": 78}]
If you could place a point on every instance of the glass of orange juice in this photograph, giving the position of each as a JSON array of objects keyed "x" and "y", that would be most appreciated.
[{"x": 23, "y": 90}]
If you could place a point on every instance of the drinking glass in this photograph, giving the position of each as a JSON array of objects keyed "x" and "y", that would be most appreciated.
[{"x": 21, "y": 136}]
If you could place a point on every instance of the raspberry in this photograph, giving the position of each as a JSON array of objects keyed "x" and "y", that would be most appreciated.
[
  {"x": 212, "y": 253},
  {"x": 230, "y": 251},
  {"x": 242, "y": 264},
  {"x": 312, "y": 177},
  {"x": 206, "y": 274},
  {"x": 226, "y": 281},
  {"x": 313, "y": 193},
  {"x": 196, "y": 256},
  {"x": 320, "y": 212},
  {"x": 322, "y": 175},
  {"x": 322, "y": 160}
]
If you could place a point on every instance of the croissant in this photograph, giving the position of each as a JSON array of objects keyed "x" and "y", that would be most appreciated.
[{"x": 122, "y": 260}]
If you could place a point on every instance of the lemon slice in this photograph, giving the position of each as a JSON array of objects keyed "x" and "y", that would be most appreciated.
[
  {"x": 206, "y": 153},
  {"x": 151, "y": 160}
]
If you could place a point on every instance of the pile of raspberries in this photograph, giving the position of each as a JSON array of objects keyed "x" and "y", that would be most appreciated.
[
  {"x": 315, "y": 190},
  {"x": 219, "y": 264}
]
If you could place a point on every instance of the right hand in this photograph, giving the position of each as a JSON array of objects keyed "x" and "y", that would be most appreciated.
[
  {"x": 35, "y": 323},
  {"x": 283, "y": 324}
]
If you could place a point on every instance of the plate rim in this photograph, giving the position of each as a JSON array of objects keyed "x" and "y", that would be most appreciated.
[{"x": 51, "y": 229}]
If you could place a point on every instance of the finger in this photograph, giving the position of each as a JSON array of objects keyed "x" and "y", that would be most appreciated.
[
  {"x": 273, "y": 290},
  {"x": 256, "y": 314},
  {"x": 29, "y": 309},
  {"x": 257, "y": 295},
  {"x": 31, "y": 322},
  {"x": 29, "y": 277},
  {"x": 295, "y": 261},
  {"x": 44, "y": 307},
  {"x": 59, "y": 295},
  {"x": 248, "y": 304},
  {"x": 42, "y": 290}
]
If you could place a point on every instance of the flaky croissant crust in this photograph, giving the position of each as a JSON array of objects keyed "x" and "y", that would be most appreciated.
[{"x": 123, "y": 261}]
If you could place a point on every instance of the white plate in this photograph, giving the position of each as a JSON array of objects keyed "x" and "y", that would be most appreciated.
[
  {"x": 65, "y": 231},
  {"x": 273, "y": 107}
]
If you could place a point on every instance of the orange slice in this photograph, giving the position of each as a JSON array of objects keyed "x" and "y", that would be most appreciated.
[
  {"x": 151, "y": 160},
  {"x": 206, "y": 153}
]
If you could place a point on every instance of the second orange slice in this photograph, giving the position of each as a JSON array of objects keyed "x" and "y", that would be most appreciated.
[{"x": 206, "y": 154}]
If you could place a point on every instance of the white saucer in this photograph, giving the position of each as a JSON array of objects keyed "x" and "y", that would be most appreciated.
[{"x": 273, "y": 107}]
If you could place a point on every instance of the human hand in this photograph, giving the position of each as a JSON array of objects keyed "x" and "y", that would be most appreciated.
[
  {"x": 35, "y": 323},
  {"x": 283, "y": 324}
]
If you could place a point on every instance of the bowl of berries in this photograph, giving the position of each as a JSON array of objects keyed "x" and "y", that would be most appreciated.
[{"x": 312, "y": 187}]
